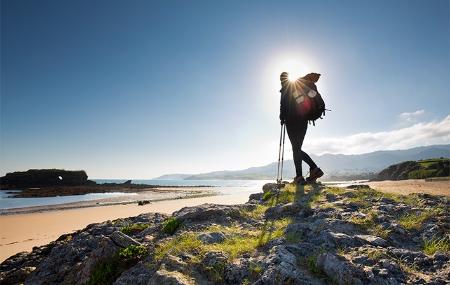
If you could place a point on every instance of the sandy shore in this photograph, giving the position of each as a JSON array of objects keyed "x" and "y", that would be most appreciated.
[
  {"x": 406, "y": 187},
  {"x": 21, "y": 232}
]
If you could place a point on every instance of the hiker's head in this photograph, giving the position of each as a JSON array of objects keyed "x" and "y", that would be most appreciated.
[
  {"x": 313, "y": 77},
  {"x": 284, "y": 78}
]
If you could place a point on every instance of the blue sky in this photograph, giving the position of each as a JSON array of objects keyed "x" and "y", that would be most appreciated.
[{"x": 135, "y": 89}]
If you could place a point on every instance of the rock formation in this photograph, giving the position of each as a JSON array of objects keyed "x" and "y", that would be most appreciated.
[{"x": 285, "y": 235}]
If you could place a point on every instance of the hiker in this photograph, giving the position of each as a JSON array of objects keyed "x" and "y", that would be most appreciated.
[{"x": 297, "y": 125}]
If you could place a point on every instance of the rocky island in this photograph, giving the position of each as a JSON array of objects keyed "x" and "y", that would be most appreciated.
[
  {"x": 283, "y": 235},
  {"x": 59, "y": 182}
]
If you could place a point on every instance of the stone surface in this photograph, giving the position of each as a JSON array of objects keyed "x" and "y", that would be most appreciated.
[
  {"x": 122, "y": 239},
  {"x": 163, "y": 276}
]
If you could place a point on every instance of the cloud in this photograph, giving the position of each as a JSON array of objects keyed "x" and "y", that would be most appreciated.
[
  {"x": 412, "y": 117},
  {"x": 419, "y": 134}
]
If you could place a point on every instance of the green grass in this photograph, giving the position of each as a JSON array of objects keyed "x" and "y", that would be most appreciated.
[
  {"x": 133, "y": 252},
  {"x": 367, "y": 222},
  {"x": 257, "y": 213},
  {"x": 267, "y": 195},
  {"x": 187, "y": 242},
  {"x": 434, "y": 245},
  {"x": 238, "y": 241},
  {"x": 133, "y": 228},
  {"x": 414, "y": 221},
  {"x": 171, "y": 225}
]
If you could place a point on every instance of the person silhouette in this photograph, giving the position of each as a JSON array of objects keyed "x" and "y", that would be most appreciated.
[{"x": 297, "y": 126}]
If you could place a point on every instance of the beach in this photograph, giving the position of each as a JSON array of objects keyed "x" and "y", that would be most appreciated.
[
  {"x": 34, "y": 226},
  {"x": 411, "y": 186},
  {"x": 38, "y": 228}
]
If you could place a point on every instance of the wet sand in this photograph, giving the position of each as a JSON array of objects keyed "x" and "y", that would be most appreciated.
[
  {"x": 20, "y": 232},
  {"x": 406, "y": 187}
]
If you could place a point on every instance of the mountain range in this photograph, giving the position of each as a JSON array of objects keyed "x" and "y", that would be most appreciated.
[{"x": 335, "y": 166}]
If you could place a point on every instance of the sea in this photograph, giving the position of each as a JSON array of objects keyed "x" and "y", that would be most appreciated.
[{"x": 223, "y": 187}]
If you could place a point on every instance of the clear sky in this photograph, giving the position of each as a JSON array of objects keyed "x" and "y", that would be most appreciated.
[{"x": 136, "y": 89}]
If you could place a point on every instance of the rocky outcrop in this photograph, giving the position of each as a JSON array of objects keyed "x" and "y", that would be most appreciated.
[
  {"x": 43, "y": 177},
  {"x": 288, "y": 235},
  {"x": 416, "y": 170}
]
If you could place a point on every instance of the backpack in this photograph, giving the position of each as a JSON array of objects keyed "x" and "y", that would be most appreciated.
[{"x": 309, "y": 103}]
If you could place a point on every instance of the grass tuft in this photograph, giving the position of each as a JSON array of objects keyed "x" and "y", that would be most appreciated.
[
  {"x": 171, "y": 225},
  {"x": 414, "y": 221},
  {"x": 431, "y": 246}
]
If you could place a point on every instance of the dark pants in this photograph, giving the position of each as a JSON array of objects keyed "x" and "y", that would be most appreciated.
[{"x": 296, "y": 131}]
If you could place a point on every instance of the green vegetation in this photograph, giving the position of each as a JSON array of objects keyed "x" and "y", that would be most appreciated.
[
  {"x": 434, "y": 245},
  {"x": 431, "y": 168},
  {"x": 109, "y": 270},
  {"x": 171, "y": 225},
  {"x": 414, "y": 221},
  {"x": 133, "y": 252},
  {"x": 267, "y": 195},
  {"x": 239, "y": 240},
  {"x": 133, "y": 228}
]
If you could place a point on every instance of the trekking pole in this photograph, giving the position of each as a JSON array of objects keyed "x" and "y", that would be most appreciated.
[
  {"x": 282, "y": 155},
  {"x": 279, "y": 154}
]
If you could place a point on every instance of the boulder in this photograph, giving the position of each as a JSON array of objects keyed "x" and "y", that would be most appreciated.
[
  {"x": 207, "y": 212},
  {"x": 340, "y": 270}
]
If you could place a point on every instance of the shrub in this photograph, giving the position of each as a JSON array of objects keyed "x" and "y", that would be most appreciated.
[{"x": 171, "y": 225}]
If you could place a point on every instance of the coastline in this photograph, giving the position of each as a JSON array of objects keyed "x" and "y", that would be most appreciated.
[
  {"x": 39, "y": 228},
  {"x": 34, "y": 226},
  {"x": 152, "y": 196}
]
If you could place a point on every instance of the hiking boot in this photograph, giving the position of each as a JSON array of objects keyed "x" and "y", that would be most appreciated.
[
  {"x": 299, "y": 180},
  {"x": 314, "y": 174}
]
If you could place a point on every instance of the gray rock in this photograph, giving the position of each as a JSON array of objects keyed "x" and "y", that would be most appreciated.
[
  {"x": 208, "y": 212},
  {"x": 290, "y": 209},
  {"x": 256, "y": 197},
  {"x": 214, "y": 258},
  {"x": 215, "y": 237},
  {"x": 340, "y": 270},
  {"x": 122, "y": 239},
  {"x": 373, "y": 240},
  {"x": 106, "y": 249},
  {"x": 281, "y": 268},
  {"x": 136, "y": 275},
  {"x": 165, "y": 277},
  {"x": 341, "y": 239}
]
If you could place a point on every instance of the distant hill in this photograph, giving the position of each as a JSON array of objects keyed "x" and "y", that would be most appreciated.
[
  {"x": 335, "y": 166},
  {"x": 421, "y": 169},
  {"x": 174, "y": 176}
]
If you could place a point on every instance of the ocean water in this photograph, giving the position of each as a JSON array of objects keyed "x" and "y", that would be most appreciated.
[
  {"x": 7, "y": 202},
  {"x": 224, "y": 187}
]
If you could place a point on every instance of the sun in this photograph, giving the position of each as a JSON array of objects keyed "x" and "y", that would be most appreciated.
[{"x": 293, "y": 64}]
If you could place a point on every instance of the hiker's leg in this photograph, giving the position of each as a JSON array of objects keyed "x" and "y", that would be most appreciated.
[
  {"x": 294, "y": 135},
  {"x": 306, "y": 158},
  {"x": 303, "y": 126}
]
